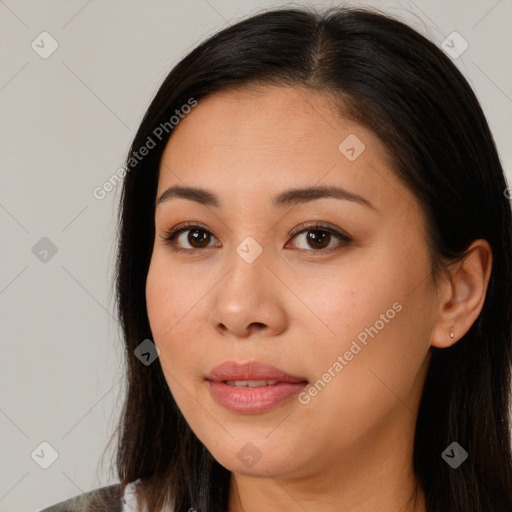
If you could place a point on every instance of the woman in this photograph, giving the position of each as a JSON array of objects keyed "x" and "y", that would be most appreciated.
[{"x": 314, "y": 279}]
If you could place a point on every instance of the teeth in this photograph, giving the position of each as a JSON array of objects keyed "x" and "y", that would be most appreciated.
[{"x": 251, "y": 383}]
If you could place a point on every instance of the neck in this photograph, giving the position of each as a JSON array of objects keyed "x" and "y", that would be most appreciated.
[
  {"x": 281, "y": 495},
  {"x": 376, "y": 474}
]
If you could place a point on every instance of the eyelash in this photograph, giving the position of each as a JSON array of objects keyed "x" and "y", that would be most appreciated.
[{"x": 168, "y": 236}]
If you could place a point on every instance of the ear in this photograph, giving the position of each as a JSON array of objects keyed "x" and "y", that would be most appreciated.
[{"x": 462, "y": 295}]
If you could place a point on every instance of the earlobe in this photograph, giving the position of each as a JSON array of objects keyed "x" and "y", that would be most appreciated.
[{"x": 464, "y": 293}]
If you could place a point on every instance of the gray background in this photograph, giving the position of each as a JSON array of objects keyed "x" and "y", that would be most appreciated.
[{"x": 67, "y": 122}]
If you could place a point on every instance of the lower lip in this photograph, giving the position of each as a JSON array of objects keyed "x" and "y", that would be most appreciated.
[{"x": 254, "y": 400}]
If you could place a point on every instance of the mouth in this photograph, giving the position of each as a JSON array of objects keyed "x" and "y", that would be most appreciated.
[
  {"x": 251, "y": 383},
  {"x": 253, "y": 387}
]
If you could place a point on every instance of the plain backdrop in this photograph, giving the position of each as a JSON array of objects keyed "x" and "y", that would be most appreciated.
[{"x": 67, "y": 121}]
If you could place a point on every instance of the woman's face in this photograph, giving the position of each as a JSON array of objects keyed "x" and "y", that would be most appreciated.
[{"x": 325, "y": 338}]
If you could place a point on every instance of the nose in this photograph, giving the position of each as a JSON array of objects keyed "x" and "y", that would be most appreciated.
[{"x": 249, "y": 299}]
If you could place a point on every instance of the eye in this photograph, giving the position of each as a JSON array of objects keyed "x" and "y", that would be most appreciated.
[
  {"x": 318, "y": 237},
  {"x": 197, "y": 238}
]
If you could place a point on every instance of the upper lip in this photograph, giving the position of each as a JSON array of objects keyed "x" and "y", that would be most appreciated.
[{"x": 254, "y": 370}]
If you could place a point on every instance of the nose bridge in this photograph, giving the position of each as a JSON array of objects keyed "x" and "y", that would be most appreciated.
[
  {"x": 250, "y": 239},
  {"x": 248, "y": 262},
  {"x": 250, "y": 250}
]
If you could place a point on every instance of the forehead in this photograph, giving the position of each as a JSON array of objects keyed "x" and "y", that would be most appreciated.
[
  {"x": 266, "y": 138},
  {"x": 263, "y": 120}
]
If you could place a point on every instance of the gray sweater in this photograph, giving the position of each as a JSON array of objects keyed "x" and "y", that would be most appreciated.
[{"x": 104, "y": 499}]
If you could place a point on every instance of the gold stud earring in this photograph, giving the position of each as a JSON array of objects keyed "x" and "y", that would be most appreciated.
[{"x": 451, "y": 333}]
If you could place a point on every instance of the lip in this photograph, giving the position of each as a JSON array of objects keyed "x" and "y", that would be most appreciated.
[
  {"x": 247, "y": 400},
  {"x": 253, "y": 370}
]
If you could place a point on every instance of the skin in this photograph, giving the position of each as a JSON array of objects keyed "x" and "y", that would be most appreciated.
[{"x": 298, "y": 306}]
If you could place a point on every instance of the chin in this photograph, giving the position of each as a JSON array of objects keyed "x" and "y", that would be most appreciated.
[{"x": 259, "y": 459}]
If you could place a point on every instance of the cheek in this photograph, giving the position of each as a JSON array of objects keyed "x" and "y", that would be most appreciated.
[
  {"x": 170, "y": 294},
  {"x": 343, "y": 301},
  {"x": 373, "y": 362},
  {"x": 369, "y": 314},
  {"x": 170, "y": 305},
  {"x": 167, "y": 313}
]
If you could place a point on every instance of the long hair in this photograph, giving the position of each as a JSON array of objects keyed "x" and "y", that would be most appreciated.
[{"x": 395, "y": 82}]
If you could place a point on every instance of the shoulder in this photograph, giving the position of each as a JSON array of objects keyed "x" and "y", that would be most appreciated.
[{"x": 104, "y": 499}]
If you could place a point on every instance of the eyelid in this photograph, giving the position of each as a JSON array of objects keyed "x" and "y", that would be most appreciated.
[{"x": 319, "y": 226}]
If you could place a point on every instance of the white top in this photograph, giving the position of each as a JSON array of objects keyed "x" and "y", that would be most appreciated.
[
  {"x": 130, "y": 503},
  {"x": 130, "y": 500}
]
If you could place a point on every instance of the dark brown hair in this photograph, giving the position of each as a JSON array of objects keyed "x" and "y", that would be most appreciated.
[{"x": 395, "y": 82}]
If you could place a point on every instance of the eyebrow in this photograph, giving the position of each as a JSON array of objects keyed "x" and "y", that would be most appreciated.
[{"x": 287, "y": 198}]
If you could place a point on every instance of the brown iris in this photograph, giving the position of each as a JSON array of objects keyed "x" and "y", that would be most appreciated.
[
  {"x": 318, "y": 237},
  {"x": 195, "y": 237}
]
